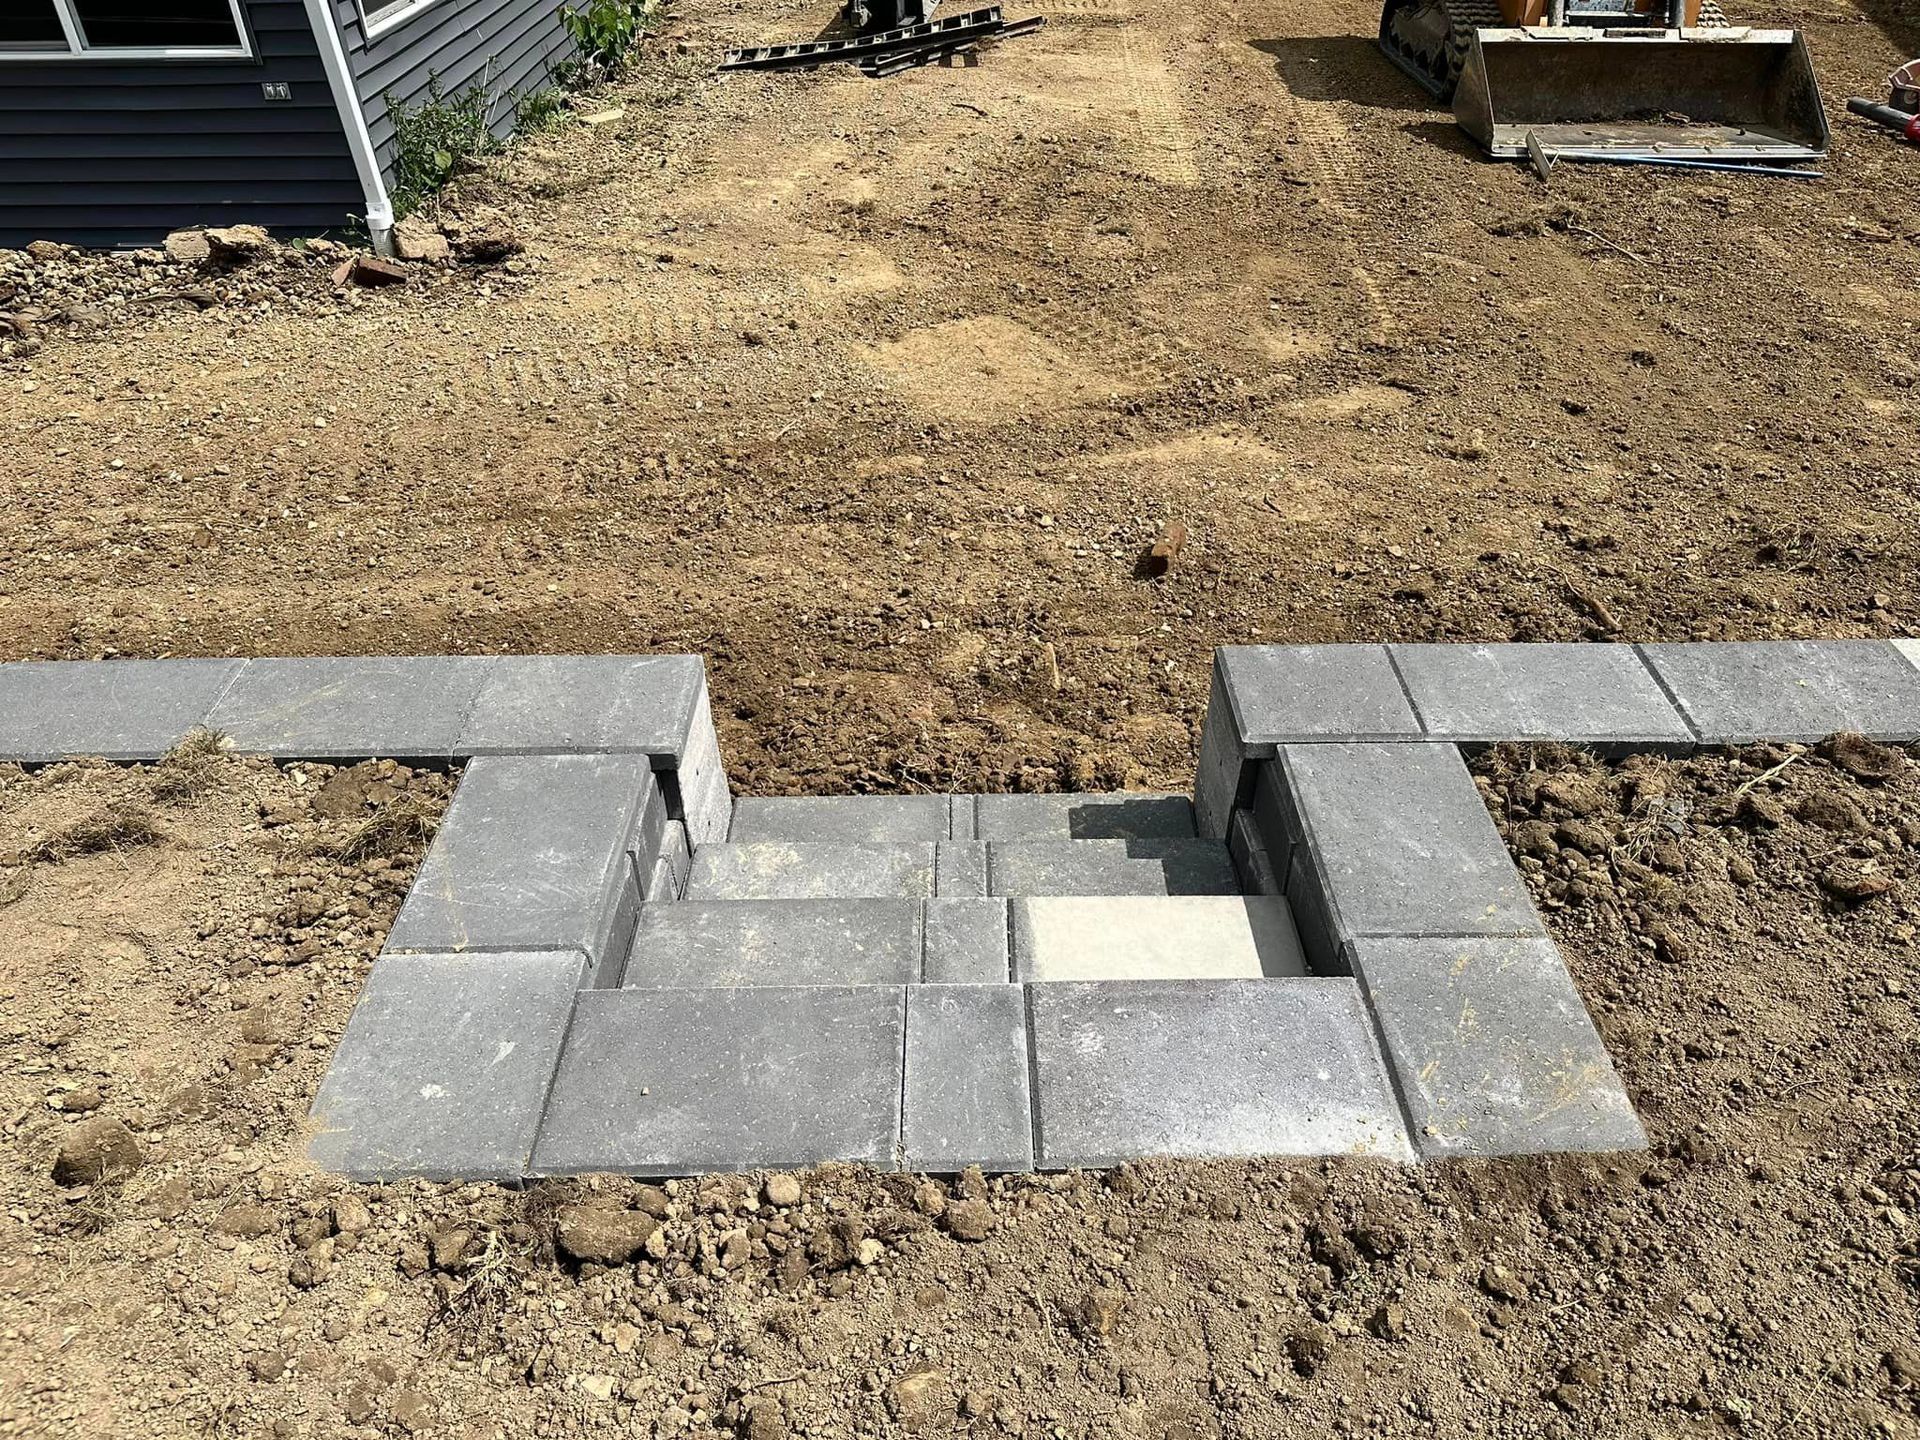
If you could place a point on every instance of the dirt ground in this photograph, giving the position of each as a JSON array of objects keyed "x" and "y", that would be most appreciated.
[
  {"x": 874, "y": 392},
  {"x": 181, "y": 959}
]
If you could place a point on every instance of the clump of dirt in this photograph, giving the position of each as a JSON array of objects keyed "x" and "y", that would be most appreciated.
[{"x": 1755, "y": 1273}]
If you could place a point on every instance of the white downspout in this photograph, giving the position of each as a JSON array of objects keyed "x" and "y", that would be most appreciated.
[{"x": 346, "y": 98}]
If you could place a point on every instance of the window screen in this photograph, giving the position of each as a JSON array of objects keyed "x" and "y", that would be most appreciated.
[
  {"x": 149, "y": 23},
  {"x": 30, "y": 22}
]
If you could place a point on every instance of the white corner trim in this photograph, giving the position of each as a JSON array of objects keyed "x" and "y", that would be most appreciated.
[
  {"x": 353, "y": 119},
  {"x": 392, "y": 18}
]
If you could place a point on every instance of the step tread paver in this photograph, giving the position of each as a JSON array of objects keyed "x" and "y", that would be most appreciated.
[
  {"x": 1159, "y": 937},
  {"x": 789, "y": 870},
  {"x": 1182, "y": 866},
  {"x": 696, "y": 943},
  {"x": 967, "y": 1098}
]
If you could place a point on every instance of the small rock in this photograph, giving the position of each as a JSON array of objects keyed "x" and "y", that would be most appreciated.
[
  {"x": 359, "y": 1405},
  {"x": 237, "y": 244},
  {"x": 369, "y": 270},
  {"x": 1854, "y": 881},
  {"x": 44, "y": 250},
  {"x": 267, "y": 1365},
  {"x": 1308, "y": 1349},
  {"x": 919, "y": 1399},
  {"x": 413, "y": 1410},
  {"x": 1389, "y": 1322},
  {"x": 189, "y": 247},
  {"x": 82, "y": 1100},
  {"x": 792, "y": 1272},
  {"x": 100, "y": 1148},
  {"x": 1097, "y": 1314},
  {"x": 601, "y": 1235},
  {"x": 415, "y": 239},
  {"x": 1501, "y": 1283},
  {"x": 929, "y": 1199},
  {"x": 970, "y": 1220},
  {"x": 350, "y": 1215},
  {"x": 245, "y": 1220},
  {"x": 783, "y": 1190}
]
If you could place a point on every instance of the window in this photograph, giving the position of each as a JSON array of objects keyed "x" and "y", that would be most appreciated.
[
  {"x": 377, "y": 17},
  {"x": 115, "y": 29}
]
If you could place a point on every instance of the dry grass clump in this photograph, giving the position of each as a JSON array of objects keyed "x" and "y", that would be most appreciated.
[
  {"x": 189, "y": 769},
  {"x": 401, "y": 825},
  {"x": 123, "y": 825}
]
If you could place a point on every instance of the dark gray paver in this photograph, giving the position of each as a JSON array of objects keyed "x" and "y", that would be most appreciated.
[
  {"x": 345, "y": 707},
  {"x": 1251, "y": 858},
  {"x": 1206, "y": 1068},
  {"x": 665, "y": 878},
  {"x": 1492, "y": 1050},
  {"x": 1397, "y": 841},
  {"x": 960, "y": 869},
  {"x": 781, "y": 870},
  {"x": 1790, "y": 690},
  {"x": 967, "y": 1100},
  {"x": 119, "y": 709},
  {"x": 533, "y": 853},
  {"x": 567, "y": 703},
  {"x": 1154, "y": 937},
  {"x": 1110, "y": 867},
  {"x": 688, "y": 943},
  {"x": 1283, "y": 693},
  {"x": 444, "y": 1065},
  {"x": 843, "y": 818},
  {"x": 1220, "y": 773},
  {"x": 675, "y": 1082},
  {"x": 1602, "y": 696},
  {"x": 966, "y": 942},
  {"x": 1113, "y": 816},
  {"x": 697, "y": 790}
]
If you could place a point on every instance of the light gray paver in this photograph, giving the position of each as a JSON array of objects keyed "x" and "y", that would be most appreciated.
[
  {"x": 1110, "y": 867},
  {"x": 347, "y": 707},
  {"x": 1398, "y": 842},
  {"x": 1160, "y": 937},
  {"x": 690, "y": 943},
  {"x": 444, "y": 1065},
  {"x": 1117, "y": 815},
  {"x": 1493, "y": 1052},
  {"x": 569, "y": 703},
  {"x": 1601, "y": 696},
  {"x": 675, "y": 1082},
  {"x": 533, "y": 853},
  {"x": 1208, "y": 1068},
  {"x": 966, "y": 942},
  {"x": 119, "y": 709},
  {"x": 841, "y": 818},
  {"x": 1790, "y": 690},
  {"x": 1285, "y": 693},
  {"x": 696, "y": 785},
  {"x": 960, "y": 818},
  {"x": 960, "y": 869},
  {"x": 967, "y": 1100},
  {"x": 779, "y": 870}
]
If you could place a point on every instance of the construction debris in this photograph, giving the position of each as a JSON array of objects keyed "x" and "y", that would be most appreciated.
[
  {"x": 369, "y": 270},
  {"x": 888, "y": 51}
]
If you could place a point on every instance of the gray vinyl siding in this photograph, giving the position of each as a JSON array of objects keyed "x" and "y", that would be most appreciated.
[
  {"x": 117, "y": 153},
  {"x": 512, "y": 47}
]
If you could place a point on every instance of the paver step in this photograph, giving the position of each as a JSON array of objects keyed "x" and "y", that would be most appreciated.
[
  {"x": 1155, "y": 937},
  {"x": 686, "y": 944},
  {"x": 784, "y": 870},
  {"x": 1119, "y": 815},
  {"x": 844, "y": 819},
  {"x": 1110, "y": 867}
]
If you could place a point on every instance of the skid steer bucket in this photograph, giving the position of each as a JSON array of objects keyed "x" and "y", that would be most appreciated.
[{"x": 1731, "y": 93}]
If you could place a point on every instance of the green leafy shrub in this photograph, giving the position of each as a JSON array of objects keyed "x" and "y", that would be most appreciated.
[
  {"x": 605, "y": 31},
  {"x": 435, "y": 138}
]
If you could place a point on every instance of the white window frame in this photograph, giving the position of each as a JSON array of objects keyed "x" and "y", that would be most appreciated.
[
  {"x": 382, "y": 17},
  {"x": 77, "y": 49}
]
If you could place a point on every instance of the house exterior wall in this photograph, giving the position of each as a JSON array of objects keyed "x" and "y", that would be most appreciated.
[
  {"x": 511, "y": 47},
  {"x": 117, "y": 153}
]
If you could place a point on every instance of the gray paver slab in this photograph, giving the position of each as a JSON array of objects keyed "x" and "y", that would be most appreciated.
[
  {"x": 1110, "y": 867},
  {"x": 1492, "y": 1049},
  {"x": 696, "y": 784},
  {"x": 1250, "y": 857},
  {"x": 960, "y": 817},
  {"x": 343, "y": 707},
  {"x": 665, "y": 878},
  {"x": 1400, "y": 843},
  {"x": 1316, "y": 692},
  {"x": 1160, "y": 937},
  {"x": 532, "y": 854},
  {"x": 1208, "y": 1068},
  {"x": 1792, "y": 690},
  {"x": 1602, "y": 696},
  {"x": 691, "y": 943},
  {"x": 1220, "y": 771},
  {"x": 567, "y": 703},
  {"x": 966, "y": 942},
  {"x": 119, "y": 709},
  {"x": 676, "y": 1082},
  {"x": 842, "y": 818},
  {"x": 444, "y": 1065},
  {"x": 960, "y": 869},
  {"x": 1112, "y": 816},
  {"x": 967, "y": 1100},
  {"x": 781, "y": 870}
]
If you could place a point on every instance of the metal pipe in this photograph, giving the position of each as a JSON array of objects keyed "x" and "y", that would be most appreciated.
[{"x": 1898, "y": 121}]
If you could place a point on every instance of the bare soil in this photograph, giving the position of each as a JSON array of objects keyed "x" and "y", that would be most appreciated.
[
  {"x": 1756, "y": 1273},
  {"x": 875, "y": 393}
]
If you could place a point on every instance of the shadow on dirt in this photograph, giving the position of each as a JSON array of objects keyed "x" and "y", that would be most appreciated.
[{"x": 1342, "y": 67}]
